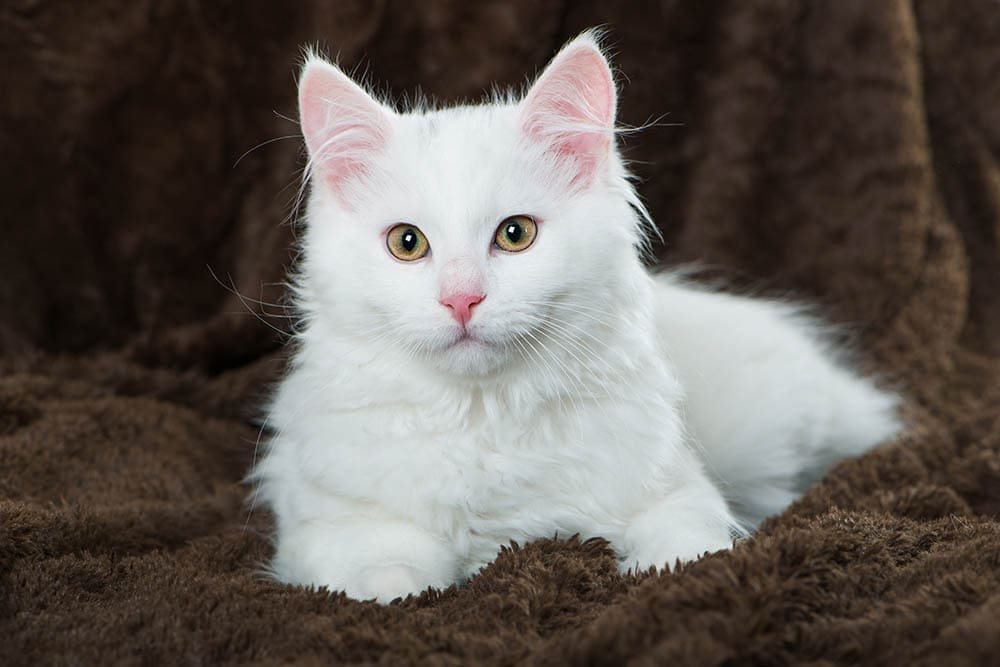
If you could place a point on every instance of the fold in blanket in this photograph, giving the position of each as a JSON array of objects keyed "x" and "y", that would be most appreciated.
[{"x": 844, "y": 153}]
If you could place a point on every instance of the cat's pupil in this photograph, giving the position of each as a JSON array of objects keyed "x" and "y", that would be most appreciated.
[
  {"x": 514, "y": 232},
  {"x": 409, "y": 240}
]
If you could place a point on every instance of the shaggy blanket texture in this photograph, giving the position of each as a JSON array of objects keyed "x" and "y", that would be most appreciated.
[{"x": 844, "y": 153}]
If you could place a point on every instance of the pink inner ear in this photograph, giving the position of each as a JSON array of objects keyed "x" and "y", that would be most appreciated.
[
  {"x": 344, "y": 127},
  {"x": 572, "y": 107}
]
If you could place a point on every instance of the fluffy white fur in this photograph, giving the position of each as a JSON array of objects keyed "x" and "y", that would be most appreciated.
[{"x": 590, "y": 397}]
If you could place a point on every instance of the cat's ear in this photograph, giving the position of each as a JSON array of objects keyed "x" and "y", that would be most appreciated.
[
  {"x": 571, "y": 107},
  {"x": 344, "y": 127}
]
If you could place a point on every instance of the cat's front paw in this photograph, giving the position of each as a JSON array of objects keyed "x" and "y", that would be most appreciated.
[
  {"x": 381, "y": 560},
  {"x": 663, "y": 553},
  {"x": 386, "y": 583},
  {"x": 665, "y": 535}
]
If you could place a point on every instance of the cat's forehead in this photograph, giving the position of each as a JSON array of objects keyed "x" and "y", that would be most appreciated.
[
  {"x": 459, "y": 163},
  {"x": 460, "y": 130}
]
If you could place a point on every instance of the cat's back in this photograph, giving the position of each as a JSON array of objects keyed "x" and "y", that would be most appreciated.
[
  {"x": 705, "y": 331},
  {"x": 769, "y": 401}
]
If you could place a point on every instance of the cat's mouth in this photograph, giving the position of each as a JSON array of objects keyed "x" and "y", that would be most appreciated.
[{"x": 465, "y": 337}]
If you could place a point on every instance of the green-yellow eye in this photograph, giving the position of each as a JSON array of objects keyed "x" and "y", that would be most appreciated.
[
  {"x": 407, "y": 243},
  {"x": 516, "y": 233}
]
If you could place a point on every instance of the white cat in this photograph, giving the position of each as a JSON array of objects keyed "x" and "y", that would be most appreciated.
[{"x": 483, "y": 357}]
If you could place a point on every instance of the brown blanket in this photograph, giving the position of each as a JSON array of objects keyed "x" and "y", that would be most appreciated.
[{"x": 841, "y": 152}]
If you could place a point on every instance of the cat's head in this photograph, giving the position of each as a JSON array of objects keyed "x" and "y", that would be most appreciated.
[{"x": 471, "y": 236}]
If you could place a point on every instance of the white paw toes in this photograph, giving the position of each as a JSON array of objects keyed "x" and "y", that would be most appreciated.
[{"x": 387, "y": 583}]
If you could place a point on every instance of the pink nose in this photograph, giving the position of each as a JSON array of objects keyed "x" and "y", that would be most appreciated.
[{"x": 461, "y": 305}]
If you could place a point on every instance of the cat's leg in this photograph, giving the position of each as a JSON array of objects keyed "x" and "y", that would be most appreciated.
[
  {"x": 367, "y": 559},
  {"x": 691, "y": 519}
]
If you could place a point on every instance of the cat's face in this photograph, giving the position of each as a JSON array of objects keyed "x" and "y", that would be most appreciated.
[{"x": 470, "y": 237}]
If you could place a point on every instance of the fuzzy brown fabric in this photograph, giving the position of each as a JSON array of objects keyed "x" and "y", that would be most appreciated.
[{"x": 842, "y": 152}]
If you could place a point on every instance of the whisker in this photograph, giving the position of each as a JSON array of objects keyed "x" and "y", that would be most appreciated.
[
  {"x": 284, "y": 117},
  {"x": 244, "y": 300},
  {"x": 572, "y": 393},
  {"x": 597, "y": 363},
  {"x": 264, "y": 143},
  {"x": 593, "y": 314}
]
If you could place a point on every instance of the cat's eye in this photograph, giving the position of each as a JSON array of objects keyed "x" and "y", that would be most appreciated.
[
  {"x": 407, "y": 243},
  {"x": 516, "y": 233}
]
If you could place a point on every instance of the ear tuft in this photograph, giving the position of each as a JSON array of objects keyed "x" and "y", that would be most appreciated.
[
  {"x": 571, "y": 107},
  {"x": 344, "y": 127}
]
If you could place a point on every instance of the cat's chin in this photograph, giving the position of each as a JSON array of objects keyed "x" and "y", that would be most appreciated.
[{"x": 472, "y": 356}]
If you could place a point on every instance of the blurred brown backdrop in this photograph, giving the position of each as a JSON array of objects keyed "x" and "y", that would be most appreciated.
[{"x": 842, "y": 152}]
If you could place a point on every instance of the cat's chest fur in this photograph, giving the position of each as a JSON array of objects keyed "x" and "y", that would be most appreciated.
[{"x": 481, "y": 464}]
